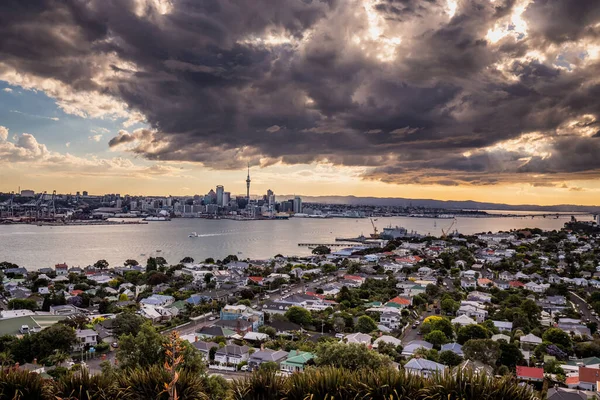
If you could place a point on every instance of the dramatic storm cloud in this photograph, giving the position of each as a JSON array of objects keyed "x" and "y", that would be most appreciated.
[{"x": 445, "y": 92}]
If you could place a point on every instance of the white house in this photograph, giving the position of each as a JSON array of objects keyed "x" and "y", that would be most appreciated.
[
  {"x": 85, "y": 338},
  {"x": 423, "y": 367},
  {"x": 232, "y": 354},
  {"x": 463, "y": 320}
]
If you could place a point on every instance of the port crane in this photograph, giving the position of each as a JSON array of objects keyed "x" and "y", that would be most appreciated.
[
  {"x": 375, "y": 233},
  {"x": 446, "y": 231},
  {"x": 8, "y": 204}
]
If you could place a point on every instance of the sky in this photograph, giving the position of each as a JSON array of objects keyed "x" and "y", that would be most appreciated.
[{"x": 487, "y": 100}]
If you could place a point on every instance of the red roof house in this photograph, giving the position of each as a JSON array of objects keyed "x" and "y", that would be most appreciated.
[
  {"x": 258, "y": 280},
  {"x": 530, "y": 373},
  {"x": 516, "y": 284}
]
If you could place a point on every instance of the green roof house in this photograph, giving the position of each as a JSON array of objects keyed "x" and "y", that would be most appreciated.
[{"x": 296, "y": 361}]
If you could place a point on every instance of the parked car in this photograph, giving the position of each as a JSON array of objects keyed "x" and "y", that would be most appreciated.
[
  {"x": 414, "y": 326},
  {"x": 212, "y": 318},
  {"x": 244, "y": 368}
]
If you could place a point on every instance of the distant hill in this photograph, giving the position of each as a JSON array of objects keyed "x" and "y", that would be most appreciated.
[{"x": 447, "y": 204}]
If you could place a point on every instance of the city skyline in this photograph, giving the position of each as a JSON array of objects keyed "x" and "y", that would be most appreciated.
[{"x": 445, "y": 99}]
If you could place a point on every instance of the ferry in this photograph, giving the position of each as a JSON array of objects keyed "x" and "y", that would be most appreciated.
[
  {"x": 157, "y": 219},
  {"x": 193, "y": 235}
]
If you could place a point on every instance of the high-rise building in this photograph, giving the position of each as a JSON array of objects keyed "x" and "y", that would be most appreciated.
[
  {"x": 85, "y": 193},
  {"x": 226, "y": 199},
  {"x": 220, "y": 191},
  {"x": 119, "y": 203},
  {"x": 248, "y": 184},
  {"x": 297, "y": 205}
]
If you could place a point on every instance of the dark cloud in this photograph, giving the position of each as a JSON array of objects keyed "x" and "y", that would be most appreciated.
[{"x": 400, "y": 86}]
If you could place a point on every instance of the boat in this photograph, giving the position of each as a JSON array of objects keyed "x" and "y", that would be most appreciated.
[
  {"x": 193, "y": 235},
  {"x": 156, "y": 219}
]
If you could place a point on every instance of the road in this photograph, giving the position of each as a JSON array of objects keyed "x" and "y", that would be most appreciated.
[
  {"x": 581, "y": 307},
  {"x": 411, "y": 334}
]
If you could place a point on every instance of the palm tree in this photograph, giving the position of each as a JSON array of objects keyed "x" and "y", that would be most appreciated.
[
  {"x": 6, "y": 358},
  {"x": 59, "y": 357}
]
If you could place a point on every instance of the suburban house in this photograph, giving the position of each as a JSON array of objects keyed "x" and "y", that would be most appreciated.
[
  {"x": 463, "y": 320},
  {"x": 232, "y": 313},
  {"x": 296, "y": 361},
  {"x": 453, "y": 347},
  {"x": 530, "y": 373},
  {"x": 358, "y": 338},
  {"x": 158, "y": 300},
  {"x": 204, "y": 348},
  {"x": 423, "y": 367},
  {"x": 414, "y": 345},
  {"x": 86, "y": 338},
  {"x": 588, "y": 378},
  {"x": 390, "y": 320},
  {"x": 267, "y": 355},
  {"x": 232, "y": 354}
]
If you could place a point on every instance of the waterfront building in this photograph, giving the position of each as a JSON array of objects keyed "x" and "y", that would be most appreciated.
[
  {"x": 220, "y": 191},
  {"x": 226, "y": 198},
  {"x": 297, "y": 205}
]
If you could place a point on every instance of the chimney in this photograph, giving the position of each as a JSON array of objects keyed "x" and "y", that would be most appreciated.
[
  {"x": 35, "y": 361},
  {"x": 262, "y": 346},
  {"x": 195, "y": 338}
]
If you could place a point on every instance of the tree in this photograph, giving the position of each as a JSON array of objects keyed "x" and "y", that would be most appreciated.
[
  {"x": 211, "y": 353},
  {"x": 151, "y": 264},
  {"x": 432, "y": 290},
  {"x": 131, "y": 263},
  {"x": 485, "y": 350},
  {"x": 472, "y": 331},
  {"x": 299, "y": 315},
  {"x": 230, "y": 258},
  {"x": 22, "y": 304},
  {"x": 127, "y": 323},
  {"x": 269, "y": 366},
  {"x": 436, "y": 338},
  {"x": 321, "y": 250},
  {"x": 351, "y": 356},
  {"x": 437, "y": 323},
  {"x": 156, "y": 278},
  {"x": 450, "y": 358},
  {"x": 207, "y": 278},
  {"x": 247, "y": 294},
  {"x": 161, "y": 262},
  {"x": 510, "y": 354},
  {"x": 6, "y": 359},
  {"x": 101, "y": 264},
  {"x": 365, "y": 324},
  {"x": 448, "y": 305},
  {"x": 186, "y": 260},
  {"x": 558, "y": 337},
  {"x": 141, "y": 350},
  {"x": 531, "y": 310}
]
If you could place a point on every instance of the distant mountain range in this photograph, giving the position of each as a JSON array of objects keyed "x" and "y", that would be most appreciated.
[{"x": 446, "y": 204}]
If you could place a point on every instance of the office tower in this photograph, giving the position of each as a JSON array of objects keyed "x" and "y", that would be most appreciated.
[
  {"x": 297, "y": 205},
  {"x": 226, "y": 198},
  {"x": 220, "y": 191},
  {"x": 119, "y": 203}
]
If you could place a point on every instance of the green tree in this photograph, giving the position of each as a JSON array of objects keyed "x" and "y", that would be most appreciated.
[
  {"x": 22, "y": 304},
  {"x": 321, "y": 250},
  {"x": 485, "y": 350},
  {"x": 269, "y": 366},
  {"x": 6, "y": 358},
  {"x": 472, "y": 331},
  {"x": 101, "y": 264},
  {"x": 151, "y": 264},
  {"x": 365, "y": 324},
  {"x": 448, "y": 305},
  {"x": 558, "y": 337},
  {"x": 141, "y": 350},
  {"x": 186, "y": 260},
  {"x": 127, "y": 323},
  {"x": 131, "y": 263},
  {"x": 450, "y": 358},
  {"x": 437, "y": 323},
  {"x": 432, "y": 290},
  {"x": 436, "y": 338},
  {"x": 351, "y": 356},
  {"x": 299, "y": 315},
  {"x": 531, "y": 310}
]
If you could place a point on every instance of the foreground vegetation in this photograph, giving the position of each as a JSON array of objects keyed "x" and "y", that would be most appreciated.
[{"x": 314, "y": 384}]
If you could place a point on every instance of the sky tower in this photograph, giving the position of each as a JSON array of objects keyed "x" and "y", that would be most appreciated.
[{"x": 248, "y": 184}]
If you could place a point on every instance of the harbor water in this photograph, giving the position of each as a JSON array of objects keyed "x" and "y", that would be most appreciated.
[{"x": 33, "y": 247}]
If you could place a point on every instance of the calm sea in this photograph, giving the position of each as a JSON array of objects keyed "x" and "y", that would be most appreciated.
[{"x": 34, "y": 247}]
